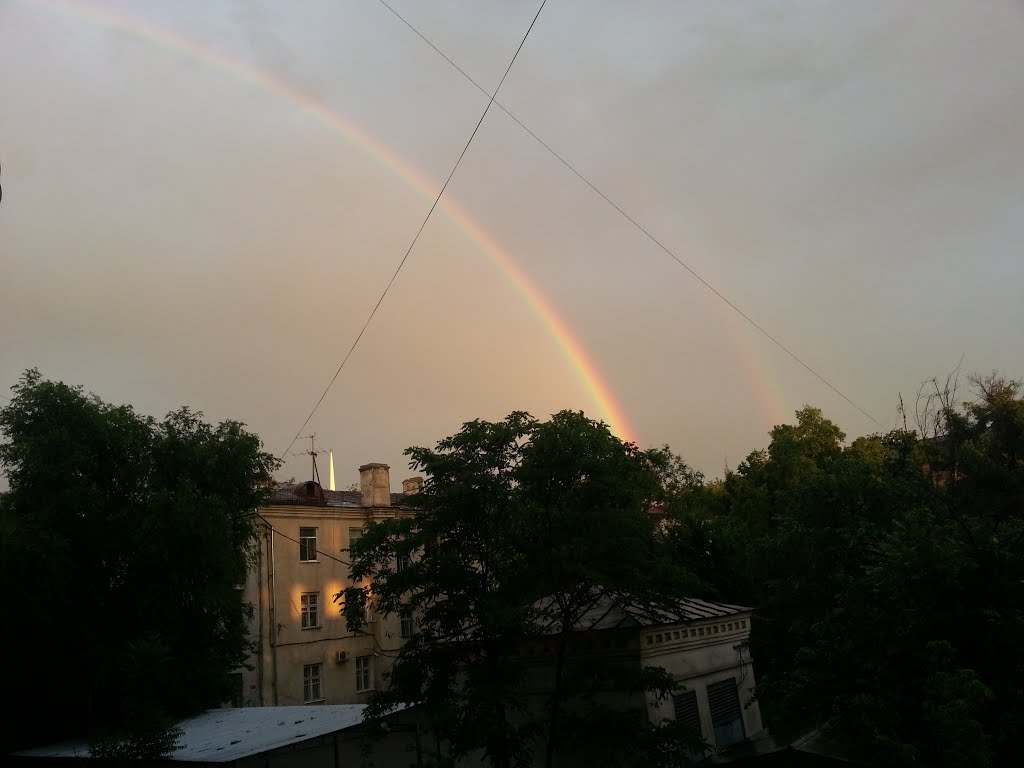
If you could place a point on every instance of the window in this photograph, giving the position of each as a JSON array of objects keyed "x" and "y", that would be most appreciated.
[
  {"x": 307, "y": 545},
  {"x": 726, "y": 717},
  {"x": 312, "y": 690},
  {"x": 685, "y": 706},
  {"x": 237, "y": 689},
  {"x": 310, "y": 608},
  {"x": 364, "y": 666},
  {"x": 405, "y": 615},
  {"x": 402, "y": 562},
  {"x": 354, "y": 535}
]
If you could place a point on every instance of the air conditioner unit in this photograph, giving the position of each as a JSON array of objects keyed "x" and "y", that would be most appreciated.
[{"x": 341, "y": 657}]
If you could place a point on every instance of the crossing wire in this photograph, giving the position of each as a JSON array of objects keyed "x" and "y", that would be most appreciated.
[
  {"x": 412, "y": 245},
  {"x": 664, "y": 248}
]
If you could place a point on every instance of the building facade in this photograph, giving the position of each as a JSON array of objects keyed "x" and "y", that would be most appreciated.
[
  {"x": 704, "y": 647},
  {"x": 305, "y": 653}
]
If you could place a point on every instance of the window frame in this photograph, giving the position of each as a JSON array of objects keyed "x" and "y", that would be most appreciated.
[
  {"x": 364, "y": 673},
  {"x": 723, "y": 697},
  {"x": 405, "y": 619},
  {"x": 309, "y": 608},
  {"x": 312, "y": 682},
  {"x": 354, "y": 534},
  {"x": 304, "y": 546}
]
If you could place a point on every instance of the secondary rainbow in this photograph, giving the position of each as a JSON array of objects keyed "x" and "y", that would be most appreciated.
[{"x": 573, "y": 351}]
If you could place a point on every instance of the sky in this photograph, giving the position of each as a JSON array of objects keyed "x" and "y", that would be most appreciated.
[{"x": 203, "y": 201}]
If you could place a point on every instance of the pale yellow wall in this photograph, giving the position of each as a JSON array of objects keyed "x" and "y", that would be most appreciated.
[
  {"x": 296, "y": 646},
  {"x": 699, "y": 654}
]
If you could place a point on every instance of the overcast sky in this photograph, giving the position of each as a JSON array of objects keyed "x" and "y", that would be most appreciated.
[{"x": 851, "y": 175}]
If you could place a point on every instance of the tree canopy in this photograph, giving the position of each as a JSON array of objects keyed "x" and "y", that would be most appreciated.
[
  {"x": 521, "y": 527},
  {"x": 888, "y": 577},
  {"x": 124, "y": 541}
]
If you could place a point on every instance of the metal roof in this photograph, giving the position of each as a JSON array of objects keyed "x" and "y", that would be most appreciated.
[
  {"x": 606, "y": 612},
  {"x": 223, "y": 735},
  {"x": 307, "y": 495}
]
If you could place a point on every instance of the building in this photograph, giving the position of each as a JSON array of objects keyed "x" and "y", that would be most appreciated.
[
  {"x": 305, "y": 653},
  {"x": 704, "y": 646}
]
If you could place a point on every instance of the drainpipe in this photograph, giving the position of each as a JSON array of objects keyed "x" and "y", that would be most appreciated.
[
  {"x": 259, "y": 624},
  {"x": 273, "y": 613}
]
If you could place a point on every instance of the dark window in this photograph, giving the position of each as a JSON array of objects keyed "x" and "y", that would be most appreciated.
[
  {"x": 726, "y": 716},
  {"x": 402, "y": 562},
  {"x": 307, "y": 545},
  {"x": 685, "y": 705},
  {"x": 237, "y": 689},
  {"x": 312, "y": 676},
  {"x": 405, "y": 614}
]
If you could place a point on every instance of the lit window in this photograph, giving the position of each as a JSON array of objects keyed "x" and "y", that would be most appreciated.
[
  {"x": 364, "y": 666},
  {"x": 405, "y": 615},
  {"x": 311, "y": 683},
  {"x": 310, "y": 606},
  {"x": 307, "y": 545}
]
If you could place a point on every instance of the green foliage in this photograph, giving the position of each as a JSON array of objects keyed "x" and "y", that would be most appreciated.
[
  {"x": 124, "y": 539},
  {"x": 521, "y": 528},
  {"x": 888, "y": 576}
]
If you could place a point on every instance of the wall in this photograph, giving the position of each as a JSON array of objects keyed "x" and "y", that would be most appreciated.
[
  {"x": 283, "y": 636},
  {"x": 701, "y": 653}
]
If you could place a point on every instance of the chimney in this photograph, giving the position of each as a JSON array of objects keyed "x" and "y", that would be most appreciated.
[
  {"x": 375, "y": 485},
  {"x": 412, "y": 485}
]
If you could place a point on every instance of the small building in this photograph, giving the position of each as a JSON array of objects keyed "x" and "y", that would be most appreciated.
[{"x": 704, "y": 646}]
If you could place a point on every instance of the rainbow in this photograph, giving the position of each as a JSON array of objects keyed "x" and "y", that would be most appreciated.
[{"x": 571, "y": 348}]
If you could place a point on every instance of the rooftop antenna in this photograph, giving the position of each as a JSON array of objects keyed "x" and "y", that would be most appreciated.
[{"x": 313, "y": 453}]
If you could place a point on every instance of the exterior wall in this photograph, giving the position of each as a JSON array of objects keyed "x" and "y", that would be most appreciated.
[
  {"x": 699, "y": 654},
  {"x": 276, "y": 586}
]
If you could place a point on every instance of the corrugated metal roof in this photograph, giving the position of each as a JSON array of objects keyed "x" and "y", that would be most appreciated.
[
  {"x": 607, "y": 612},
  {"x": 222, "y": 735}
]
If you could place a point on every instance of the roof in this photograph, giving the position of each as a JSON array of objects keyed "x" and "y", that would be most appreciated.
[
  {"x": 309, "y": 494},
  {"x": 608, "y": 612},
  {"x": 223, "y": 735}
]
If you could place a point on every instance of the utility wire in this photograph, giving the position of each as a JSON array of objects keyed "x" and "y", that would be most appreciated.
[
  {"x": 319, "y": 551},
  {"x": 401, "y": 264},
  {"x": 668, "y": 251}
]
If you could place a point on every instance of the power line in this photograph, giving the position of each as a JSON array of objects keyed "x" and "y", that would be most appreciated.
[
  {"x": 401, "y": 264},
  {"x": 319, "y": 551},
  {"x": 668, "y": 251}
]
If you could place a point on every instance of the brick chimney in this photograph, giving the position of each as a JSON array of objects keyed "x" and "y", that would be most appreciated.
[
  {"x": 375, "y": 485},
  {"x": 412, "y": 485}
]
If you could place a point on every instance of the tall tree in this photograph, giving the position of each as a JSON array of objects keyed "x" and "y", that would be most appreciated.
[
  {"x": 889, "y": 579},
  {"x": 125, "y": 540},
  {"x": 521, "y": 528}
]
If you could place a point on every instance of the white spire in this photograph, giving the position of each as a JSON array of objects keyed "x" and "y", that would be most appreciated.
[{"x": 332, "y": 468}]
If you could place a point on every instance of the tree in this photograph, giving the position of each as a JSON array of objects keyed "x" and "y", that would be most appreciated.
[
  {"x": 124, "y": 539},
  {"x": 521, "y": 527},
  {"x": 889, "y": 578}
]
